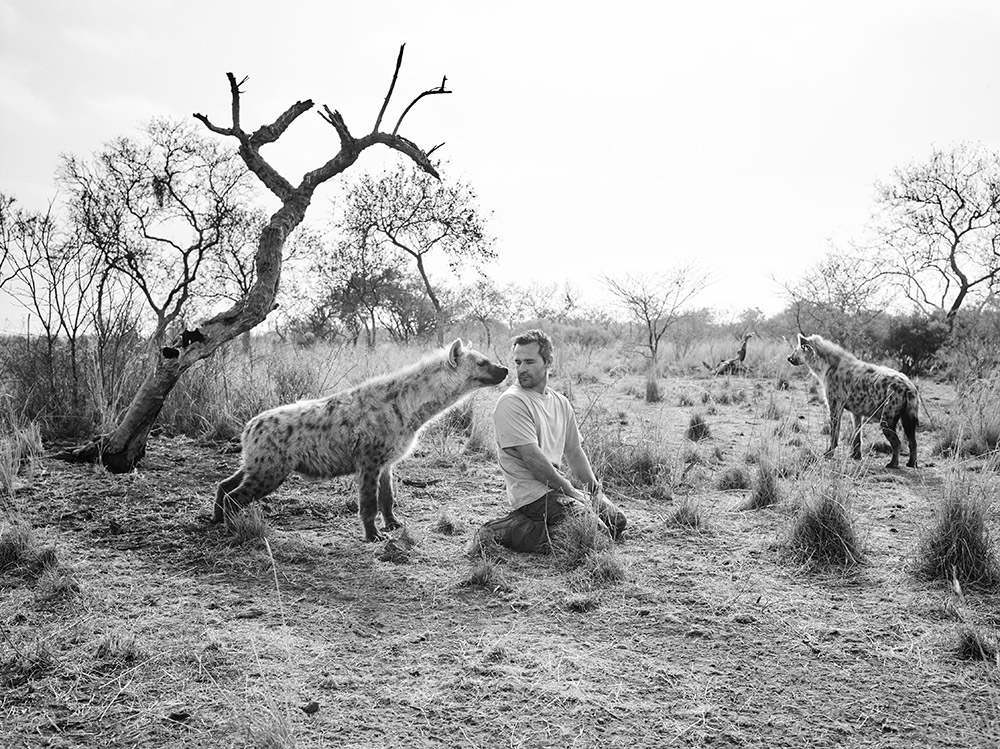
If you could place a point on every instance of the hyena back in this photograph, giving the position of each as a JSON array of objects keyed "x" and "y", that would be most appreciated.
[
  {"x": 868, "y": 391},
  {"x": 363, "y": 430}
]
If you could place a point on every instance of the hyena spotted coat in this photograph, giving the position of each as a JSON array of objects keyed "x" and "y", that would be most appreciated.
[
  {"x": 363, "y": 430},
  {"x": 868, "y": 391}
]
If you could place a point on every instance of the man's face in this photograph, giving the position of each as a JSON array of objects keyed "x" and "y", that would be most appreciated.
[{"x": 532, "y": 371}]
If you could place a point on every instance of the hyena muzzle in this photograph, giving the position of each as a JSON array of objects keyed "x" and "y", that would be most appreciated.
[{"x": 363, "y": 430}]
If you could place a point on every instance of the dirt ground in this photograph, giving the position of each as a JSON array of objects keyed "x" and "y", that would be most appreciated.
[{"x": 171, "y": 634}]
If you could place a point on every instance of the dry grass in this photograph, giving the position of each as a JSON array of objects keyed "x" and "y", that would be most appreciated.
[
  {"x": 734, "y": 478},
  {"x": 822, "y": 533},
  {"x": 764, "y": 489},
  {"x": 958, "y": 546},
  {"x": 578, "y": 536},
  {"x": 697, "y": 428},
  {"x": 686, "y": 514},
  {"x": 974, "y": 645}
]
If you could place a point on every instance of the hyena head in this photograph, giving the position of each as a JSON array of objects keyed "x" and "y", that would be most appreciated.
[
  {"x": 478, "y": 370},
  {"x": 805, "y": 353}
]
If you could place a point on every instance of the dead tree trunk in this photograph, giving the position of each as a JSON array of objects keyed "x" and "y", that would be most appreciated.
[{"x": 123, "y": 448}]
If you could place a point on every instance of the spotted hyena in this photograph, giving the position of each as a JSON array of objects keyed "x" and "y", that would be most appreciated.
[
  {"x": 868, "y": 391},
  {"x": 363, "y": 430}
]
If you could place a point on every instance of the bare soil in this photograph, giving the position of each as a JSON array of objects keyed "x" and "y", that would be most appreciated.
[{"x": 176, "y": 636}]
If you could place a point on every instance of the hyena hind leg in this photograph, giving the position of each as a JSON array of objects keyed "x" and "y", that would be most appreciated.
[
  {"x": 889, "y": 430},
  {"x": 385, "y": 499},
  {"x": 242, "y": 488},
  {"x": 368, "y": 489}
]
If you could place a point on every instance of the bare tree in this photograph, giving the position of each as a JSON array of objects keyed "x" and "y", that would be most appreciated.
[
  {"x": 655, "y": 302},
  {"x": 125, "y": 446},
  {"x": 408, "y": 211},
  {"x": 840, "y": 296},
  {"x": 484, "y": 303},
  {"x": 157, "y": 209},
  {"x": 941, "y": 223}
]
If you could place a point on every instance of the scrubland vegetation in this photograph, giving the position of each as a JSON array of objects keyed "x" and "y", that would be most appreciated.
[{"x": 862, "y": 600}]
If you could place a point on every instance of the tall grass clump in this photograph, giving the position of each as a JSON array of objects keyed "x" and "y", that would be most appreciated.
[
  {"x": 18, "y": 451},
  {"x": 734, "y": 478},
  {"x": 822, "y": 533},
  {"x": 623, "y": 466},
  {"x": 578, "y": 536},
  {"x": 686, "y": 514},
  {"x": 764, "y": 489},
  {"x": 697, "y": 428},
  {"x": 958, "y": 545},
  {"x": 976, "y": 430}
]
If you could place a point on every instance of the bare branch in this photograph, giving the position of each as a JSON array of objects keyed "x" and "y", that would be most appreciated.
[
  {"x": 395, "y": 75},
  {"x": 440, "y": 90}
]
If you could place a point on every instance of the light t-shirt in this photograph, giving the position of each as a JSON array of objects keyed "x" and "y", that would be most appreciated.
[{"x": 526, "y": 417}]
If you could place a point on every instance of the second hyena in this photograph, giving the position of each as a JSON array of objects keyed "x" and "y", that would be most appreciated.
[
  {"x": 868, "y": 391},
  {"x": 363, "y": 430}
]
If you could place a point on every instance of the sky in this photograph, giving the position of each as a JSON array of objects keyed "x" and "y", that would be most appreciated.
[{"x": 602, "y": 138}]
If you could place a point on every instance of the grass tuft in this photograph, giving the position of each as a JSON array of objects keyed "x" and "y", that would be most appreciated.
[
  {"x": 734, "y": 478},
  {"x": 823, "y": 533},
  {"x": 973, "y": 645},
  {"x": 765, "y": 491},
  {"x": 697, "y": 429},
  {"x": 447, "y": 525},
  {"x": 687, "y": 514},
  {"x": 249, "y": 526},
  {"x": 579, "y": 535},
  {"x": 958, "y": 546}
]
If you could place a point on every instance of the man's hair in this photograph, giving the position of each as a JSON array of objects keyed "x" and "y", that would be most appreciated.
[{"x": 536, "y": 336}]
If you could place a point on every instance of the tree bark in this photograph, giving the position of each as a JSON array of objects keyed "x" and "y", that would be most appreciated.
[{"x": 122, "y": 449}]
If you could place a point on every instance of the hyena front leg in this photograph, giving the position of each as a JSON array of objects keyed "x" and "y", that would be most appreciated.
[
  {"x": 385, "y": 499},
  {"x": 835, "y": 413},
  {"x": 368, "y": 484},
  {"x": 856, "y": 437}
]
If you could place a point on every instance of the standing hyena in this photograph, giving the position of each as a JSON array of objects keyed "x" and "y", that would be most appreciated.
[
  {"x": 363, "y": 430},
  {"x": 868, "y": 391}
]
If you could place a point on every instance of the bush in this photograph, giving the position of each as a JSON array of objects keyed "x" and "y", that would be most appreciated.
[{"x": 915, "y": 341}]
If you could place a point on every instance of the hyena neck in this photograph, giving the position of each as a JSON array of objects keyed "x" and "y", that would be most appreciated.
[{"x": 426, "y": 399}]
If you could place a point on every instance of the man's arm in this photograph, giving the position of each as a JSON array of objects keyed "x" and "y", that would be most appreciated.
[
  {"x": 543, "y": 471},
  {"x": 581, "y": 468}
]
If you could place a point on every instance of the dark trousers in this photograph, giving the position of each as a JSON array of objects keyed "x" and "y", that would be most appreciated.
[{"x": 527, "y": 528}]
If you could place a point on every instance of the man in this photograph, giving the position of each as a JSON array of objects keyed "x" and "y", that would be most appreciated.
[{"x": 535, "y": 429}]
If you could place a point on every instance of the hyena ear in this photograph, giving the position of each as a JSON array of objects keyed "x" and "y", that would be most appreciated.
[
  {"x": 454, "y": 352},
  {"x": 803, "y": 341}
]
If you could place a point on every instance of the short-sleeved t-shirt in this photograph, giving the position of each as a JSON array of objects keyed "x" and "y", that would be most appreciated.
[{"x": 526, "y": 417}]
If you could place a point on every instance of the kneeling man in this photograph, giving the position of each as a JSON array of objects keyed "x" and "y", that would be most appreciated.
[{"x": 535, "y": 429}]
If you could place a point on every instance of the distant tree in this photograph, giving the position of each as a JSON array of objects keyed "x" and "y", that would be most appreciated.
[
  {"x": 408, "y": 211},
  {"x": 940, "y": 223},
  {"x": 655, "y": 302},
  {"x": 125, "y": 446},
  {"x": 840, "y": 297},
  {"x": 485, "y": 303},
  {"x": 52, "y": 276}
]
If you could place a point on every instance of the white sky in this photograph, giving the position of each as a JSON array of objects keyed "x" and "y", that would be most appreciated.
[{"x": 604, "y": 137}]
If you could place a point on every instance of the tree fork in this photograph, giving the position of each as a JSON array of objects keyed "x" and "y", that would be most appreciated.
[{"x": 123, "y": 449}]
